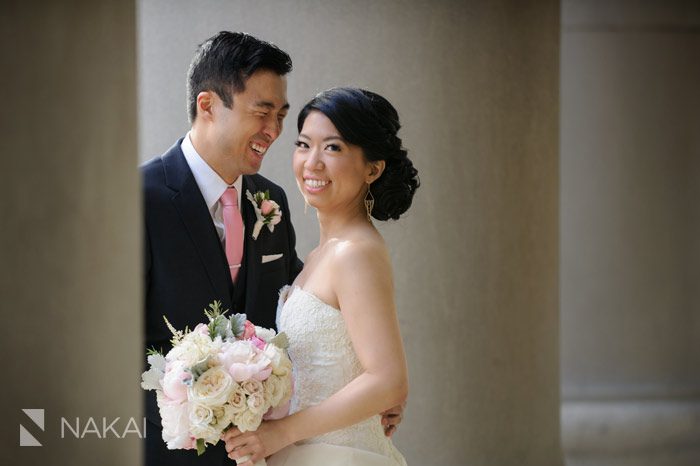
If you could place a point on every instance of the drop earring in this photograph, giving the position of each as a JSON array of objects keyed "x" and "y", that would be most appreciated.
[{"x": 369, "y": 202}]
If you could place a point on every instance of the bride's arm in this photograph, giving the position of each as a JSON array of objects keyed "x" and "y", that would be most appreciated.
[{"x": 362, "y": 280}]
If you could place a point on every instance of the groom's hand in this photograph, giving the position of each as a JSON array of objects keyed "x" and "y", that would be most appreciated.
[{"x": 391, "y": 418}]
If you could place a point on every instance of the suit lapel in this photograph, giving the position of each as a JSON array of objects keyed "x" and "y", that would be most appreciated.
[
  {"x": 193, "y": 211},
  {"x": 250, "y": 246}
]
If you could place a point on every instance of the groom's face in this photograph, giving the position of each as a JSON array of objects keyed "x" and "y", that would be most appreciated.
[{"x": 245, "y": 131}]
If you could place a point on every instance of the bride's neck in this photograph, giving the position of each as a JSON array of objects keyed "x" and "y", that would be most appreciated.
[{"x": 334, "y": 224}]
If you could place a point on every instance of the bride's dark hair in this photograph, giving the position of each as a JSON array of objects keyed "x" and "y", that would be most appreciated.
[{"x": 368, "y": 120}]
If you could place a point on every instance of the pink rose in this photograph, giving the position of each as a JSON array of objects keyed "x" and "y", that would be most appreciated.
[
  {"x": 260, "y": 344},
  {"x": 202, "y": 329},
  {"x": 266, "y": 207},
  {"x": 174, "y": 387},
  {"x": 249, "y": 331}
]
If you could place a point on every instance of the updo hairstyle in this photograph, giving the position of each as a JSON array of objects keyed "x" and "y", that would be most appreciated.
[{"x": 368, "y": 120}]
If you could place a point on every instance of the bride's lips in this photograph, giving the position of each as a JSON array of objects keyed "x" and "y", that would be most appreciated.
[{"x": 315, "y": 185}]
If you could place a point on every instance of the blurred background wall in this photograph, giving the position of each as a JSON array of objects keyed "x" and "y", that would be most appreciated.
[
  {"x": 70, "y": 254},
  {"x": 630, "y": 211},
  {"x": 476, "y": 258},
  {"x": 480, "y": 260}
]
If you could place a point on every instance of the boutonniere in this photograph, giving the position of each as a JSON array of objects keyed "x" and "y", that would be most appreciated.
[{"x": 267, "y": 211}]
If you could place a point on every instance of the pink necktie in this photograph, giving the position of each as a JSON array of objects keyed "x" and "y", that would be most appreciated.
[{"x": 233, "y": 227}]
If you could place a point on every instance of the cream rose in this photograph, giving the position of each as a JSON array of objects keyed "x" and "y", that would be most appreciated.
[
  {"x": 194, "y": 348},
  {"x": 273, "y": 390},
  {"x": 284, "y": 368},
  {"x": 256, "y": 403},
  {"x": 201, "y": 418},
  {"x": 237, "y": 399},
  {"x": 223, "y": 416},
  {"x": 212, "y": 388},
  {"x": 252, "y": 386},
  {"x": 247, "y": 420},
  {"x": 200, "y": 414}
]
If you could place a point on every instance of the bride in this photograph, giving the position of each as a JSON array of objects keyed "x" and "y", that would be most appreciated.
[{"x": 339, "y": 314}]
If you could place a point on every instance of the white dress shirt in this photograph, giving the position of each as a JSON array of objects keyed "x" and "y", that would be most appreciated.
[{"x": 210, "y": 184}]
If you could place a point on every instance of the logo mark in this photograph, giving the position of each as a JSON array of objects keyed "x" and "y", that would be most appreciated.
[{"x": 25, "y": 438}]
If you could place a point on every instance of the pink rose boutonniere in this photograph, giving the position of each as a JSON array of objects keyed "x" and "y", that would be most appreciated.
[{"x": 267, "y": 211}]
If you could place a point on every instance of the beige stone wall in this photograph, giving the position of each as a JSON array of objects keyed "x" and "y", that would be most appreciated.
[
  {"x": 476, "y": 85},
  {"x": 70, "y": 230},
  {"x": 629, "y": 232}
]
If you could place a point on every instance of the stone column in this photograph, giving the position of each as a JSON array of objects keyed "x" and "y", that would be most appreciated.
[
  {"x": 70, "y": 236},
  {"x": 630, "y": 239},
  {"x": 476, "y": 257}
]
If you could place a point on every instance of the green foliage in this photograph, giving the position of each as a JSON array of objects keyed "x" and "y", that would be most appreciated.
[
  {"x": 177, "y": 334},
  {"x": 238, "y": 324},
  {"x": 154, "y": 352},
  {"x": 280, "y": 340}
]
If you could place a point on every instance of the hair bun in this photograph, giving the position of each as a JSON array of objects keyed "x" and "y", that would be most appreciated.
[{"x": 393, "y": 191}]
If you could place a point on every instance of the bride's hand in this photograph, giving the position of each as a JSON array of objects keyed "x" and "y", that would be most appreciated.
[
  {"x": 257, "y": 445},
  {"x": 391, "y": 418}
]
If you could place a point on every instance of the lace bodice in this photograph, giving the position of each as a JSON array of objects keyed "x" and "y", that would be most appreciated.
[{"x": 324, "y": 362}]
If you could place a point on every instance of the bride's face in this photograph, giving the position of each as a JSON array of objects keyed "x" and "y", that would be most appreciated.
[{"x": 330, "y": 173}]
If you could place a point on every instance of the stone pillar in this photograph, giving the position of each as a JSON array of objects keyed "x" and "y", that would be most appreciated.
[
  {"x": 476, "y": 258},
  {"x": 70, "y": 236},
  {"x": 629, "y": 230}
]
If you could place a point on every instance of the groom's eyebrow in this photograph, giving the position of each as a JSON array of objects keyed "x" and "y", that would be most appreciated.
[{"x": 269, "y": 105}]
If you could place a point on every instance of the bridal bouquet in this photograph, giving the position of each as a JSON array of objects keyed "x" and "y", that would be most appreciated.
[{"x": 227, "y": 372}]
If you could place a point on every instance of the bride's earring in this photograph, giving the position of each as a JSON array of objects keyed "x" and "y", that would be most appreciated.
[
  {"x": 306, "y": 206},
  {"x": 369, "y": 202}
]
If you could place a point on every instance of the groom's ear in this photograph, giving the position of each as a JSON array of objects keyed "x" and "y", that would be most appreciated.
[{"x": 205, "y": 104}]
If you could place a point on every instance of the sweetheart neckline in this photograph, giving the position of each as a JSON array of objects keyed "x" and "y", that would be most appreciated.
[{"x": 309, "y": 293}]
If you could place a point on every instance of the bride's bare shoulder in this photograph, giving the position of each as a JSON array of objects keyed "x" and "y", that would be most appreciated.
[{"x": 360, "y": 251}]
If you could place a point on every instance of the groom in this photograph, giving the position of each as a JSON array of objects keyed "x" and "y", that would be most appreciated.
[{"x": 199, "y": 230}]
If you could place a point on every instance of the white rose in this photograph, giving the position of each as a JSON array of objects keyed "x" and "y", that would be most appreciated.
[
  {"x": 274, "y": 390},
  {"x": 237, "y": 399},
  {"x": 247, "y": 420},
  {"x": 194, "y": 348},
  {"x": 223, "y": 416},
  {"x": 252, "y": 386},
  {"x": 212, "y": 388},
  {"x": 200, "y": 414},
  {"x": 201, "y": 419},
  {"x": 207, "y": 433},
  {"x": 256, "y": 403}
]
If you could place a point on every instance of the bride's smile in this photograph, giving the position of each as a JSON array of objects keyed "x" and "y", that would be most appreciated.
[{"x": 331, "y": 173}]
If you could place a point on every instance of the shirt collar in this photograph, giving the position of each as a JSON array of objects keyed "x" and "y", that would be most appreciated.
[{"x": 209, "y": 182}]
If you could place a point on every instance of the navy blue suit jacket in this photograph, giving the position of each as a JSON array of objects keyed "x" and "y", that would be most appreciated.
[{"x": 186, "y": 269}]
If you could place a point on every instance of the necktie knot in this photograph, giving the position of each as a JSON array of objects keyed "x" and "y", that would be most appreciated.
[{"x": 230, "y": 198}]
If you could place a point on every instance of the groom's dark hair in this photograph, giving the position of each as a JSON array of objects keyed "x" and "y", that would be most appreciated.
[{"x": 225, "y": 61}]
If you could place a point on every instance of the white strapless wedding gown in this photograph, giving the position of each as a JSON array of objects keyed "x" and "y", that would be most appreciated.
[{"x": 324, "y": 362}]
